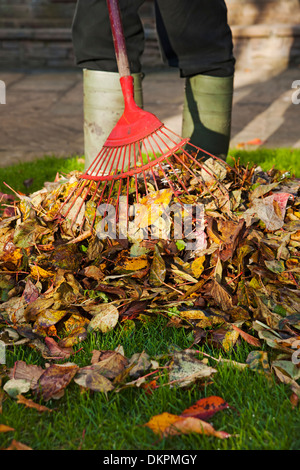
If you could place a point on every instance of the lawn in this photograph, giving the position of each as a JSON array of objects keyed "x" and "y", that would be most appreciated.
[
  {"x": 30, "y": 176},
  {"x": 260, "y": 415}
]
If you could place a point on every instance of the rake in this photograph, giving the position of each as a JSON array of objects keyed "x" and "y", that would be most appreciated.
[{"x": 139, "y": 150}]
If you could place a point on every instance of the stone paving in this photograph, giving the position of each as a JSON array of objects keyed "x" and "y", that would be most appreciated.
[{"x": 43, "y": 114}]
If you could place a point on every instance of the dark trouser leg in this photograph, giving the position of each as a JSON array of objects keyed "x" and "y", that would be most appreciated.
[
  {"x": 196, "y": 38},
  {"x": 92, "y": 37}
]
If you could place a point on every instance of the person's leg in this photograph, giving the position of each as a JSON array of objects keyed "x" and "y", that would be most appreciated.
[
  {"x": 196, "y": 38},
  {"x": 92, "y": 37},
  {"x": 95, "y": 54}
]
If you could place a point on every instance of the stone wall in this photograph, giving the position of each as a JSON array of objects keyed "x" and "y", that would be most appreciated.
[{"x": 37, "y": 33}]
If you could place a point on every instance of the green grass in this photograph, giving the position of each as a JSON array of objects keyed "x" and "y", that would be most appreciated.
[
  {"x": 36, "y": 173},
  {"x": 46, "y": 169},
  {"x": 260, "y": 417},
  {"x": 283, "y": 159}
]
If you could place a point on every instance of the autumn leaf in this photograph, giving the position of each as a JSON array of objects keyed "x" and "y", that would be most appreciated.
[
  {"x": 31, "y": 404},
  {"x": 167, "y": 425},
  {"x": 14, "y": 387},
  {"x": 250, "y": 339},
  {"x": 28, "y": 372},
  {"x": 151, "y": 207},
  {"x": 39, "y": 273},
  {"x": 186, "y": 369},
  {"x": 221, "y": 295},
  {"x": 5, "y": 428},
  {"x": 49, "y": 317},
  {"x": 128, "y": 264},
  {"x": 89, "y": 377},
  {"x": 198, "y": 266},
  {"x": 57, "y": 351},
  {"x": 16, "y": 445},
  {"x": 205, "y": 408},
  {"x": 54, "y": 379},
  {"x": 31, "y": 292},
  {"x": 106, "y": 320},
  {"x": 258, "y": 361},
  {"x": 158, "y": 269}
]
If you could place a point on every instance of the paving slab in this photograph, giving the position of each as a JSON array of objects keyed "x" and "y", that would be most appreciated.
[{"x": 43, "y": 114}]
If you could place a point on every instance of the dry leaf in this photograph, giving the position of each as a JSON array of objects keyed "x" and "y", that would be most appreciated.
[
  {"x": 54, "y": 379},
  {"x": 186, "y": 369},
  {"x": 31, "y": 404},
  {"x": 167, "y": 425},
  {"x": 28, "y": 372},
  {"x": 205, "y": 408},
  {"x": 4, "y": 428},
  {"x": 16, "y": 445},
  {"x": 106, "y": 320}
]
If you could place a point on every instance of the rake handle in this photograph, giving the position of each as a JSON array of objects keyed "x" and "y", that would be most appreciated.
[{"x": 118, "y": 37}]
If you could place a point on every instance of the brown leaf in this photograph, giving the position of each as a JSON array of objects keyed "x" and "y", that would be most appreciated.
[
  {"x": 194, "y": 425},
  {"x": 97, "y": 382},
  {"x": 31, "y": 404},
  {"x": 105, "y": 320},
  {"x": 31, "y": 292},
  {"x": 34, "y": 309},
  {"x": 221, "y": 295},
  {"x": 90, "y": 377},
  {"x": 250, "y": 339},
  {"x": 16, "y": 445},
  {"x": 54, "y": 379},
  {"x": 57, "y": 351},
  {"x": 93, "y": 272},
  {"x": 111, "y": 290},
  {"x": 49, "y": 317},
  {"x": 158, "y": 269},
  {"x": 29, "y": 372},
  {"x": 76, "y": 336},
  {"x": 112, "y": 365}
]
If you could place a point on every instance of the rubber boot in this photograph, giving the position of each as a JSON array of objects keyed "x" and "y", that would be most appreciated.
[
  {"x": 103, "y": 106},
  {"x": 207, "y": 113}
]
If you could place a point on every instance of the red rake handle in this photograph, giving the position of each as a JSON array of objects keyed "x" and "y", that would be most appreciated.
[{"x": 118, "y": 37}]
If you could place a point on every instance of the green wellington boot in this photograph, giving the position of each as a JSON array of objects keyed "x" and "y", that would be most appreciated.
[
  {"x": 207, "y": 113},
  {"x": 103, "y": 106}
]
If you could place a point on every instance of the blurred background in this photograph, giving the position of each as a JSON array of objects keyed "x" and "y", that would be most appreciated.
[{"x": 36, "y": 33}]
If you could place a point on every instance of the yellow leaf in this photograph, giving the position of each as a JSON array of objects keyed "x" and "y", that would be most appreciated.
[
  {"x": 39, "y": 273},
  {"x": 230, "y": 339},
  {"x": 127, "y": 264},
  {"x": 13, "y": 256},
  {"x": 160, "y": 423},
  {"x": 151, "y": 207},
  {"x": 198, "y": 266}
]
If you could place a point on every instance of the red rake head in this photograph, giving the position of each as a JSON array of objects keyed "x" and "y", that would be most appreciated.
[
  {"x": 138, "y": 142},
  {"x": 135, "y": 123},
  {"x": 139, "y": 150}
]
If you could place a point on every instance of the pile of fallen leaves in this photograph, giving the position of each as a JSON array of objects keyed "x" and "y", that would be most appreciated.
[{"x": 60, "y": 282}]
